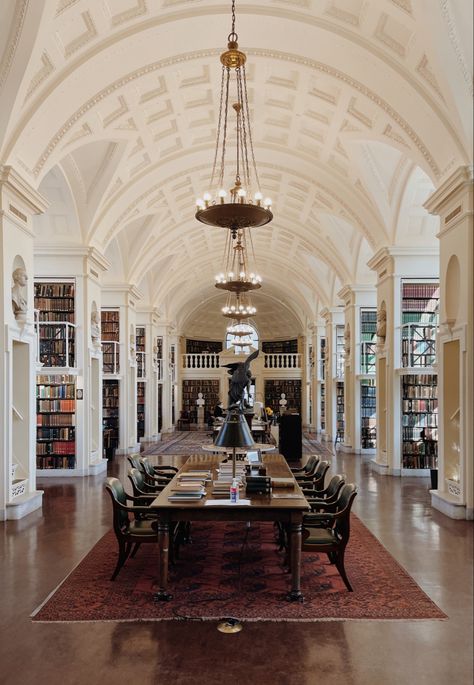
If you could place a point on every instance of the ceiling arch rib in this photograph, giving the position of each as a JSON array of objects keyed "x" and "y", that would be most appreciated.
[{"x": 393, "y": 44}]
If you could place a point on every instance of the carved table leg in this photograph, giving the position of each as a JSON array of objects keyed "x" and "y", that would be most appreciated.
[
  {"x": 295, "y": 556},
  {"x": 163, "y": 541}
]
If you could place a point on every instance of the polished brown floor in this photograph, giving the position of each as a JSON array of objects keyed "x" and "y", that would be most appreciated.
[{"x": 40, "y": 550}]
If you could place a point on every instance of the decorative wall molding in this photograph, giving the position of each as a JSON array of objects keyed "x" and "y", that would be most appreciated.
[{"x": 13, "y": 40}]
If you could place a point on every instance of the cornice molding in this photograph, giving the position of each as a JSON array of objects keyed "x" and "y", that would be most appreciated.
[
  {"x": 384, "y": 254},
  {"x": 456, "y": 183},
  {"x": 14, "y": 38},
  {"x": 126, "y": 288},
  {"x": 11, "y": 179}
]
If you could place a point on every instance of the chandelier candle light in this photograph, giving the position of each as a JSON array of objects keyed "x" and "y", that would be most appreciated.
[{"x": 243, "y": 206}]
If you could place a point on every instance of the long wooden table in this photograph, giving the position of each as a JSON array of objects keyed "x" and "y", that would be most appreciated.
[{"x": 261, "y": 508}]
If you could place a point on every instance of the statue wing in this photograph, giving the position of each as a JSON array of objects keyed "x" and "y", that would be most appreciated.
[{"x": 250, "y": 358}]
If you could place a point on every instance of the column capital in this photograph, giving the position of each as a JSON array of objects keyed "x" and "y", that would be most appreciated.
[
  {"x": 450, "y": 190},
  {"x": 353, "y": 294},
  {"x": 28, "y": 196}
]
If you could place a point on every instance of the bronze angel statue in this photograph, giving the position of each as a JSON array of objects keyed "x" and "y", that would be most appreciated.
[{"x": 240, "y": 380}]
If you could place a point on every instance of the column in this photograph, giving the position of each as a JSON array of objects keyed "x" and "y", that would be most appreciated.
[
  {"x": 124, "y": 297},
  {"x": 333, "y": 317},
  {"x": 394, "y": 265},
  {"x": 19, "y": 202},
  {"x": 453, "y": 203},
  {"x": 355, "y": 297}
]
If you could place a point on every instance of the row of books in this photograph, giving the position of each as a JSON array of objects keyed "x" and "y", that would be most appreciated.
[
  {"x": 56, "y": 316},
  {"x": 420, "y": 391},
  {"x": 54, "y": 304},
  {"x": 419, "y": 462},
  {"x": 420, "y": 420},
  {"x": 414, "y": 433},
  {"x": 56, "y": 447},
  {"x": 66, "y": 433},
  {"x": 425, "y": 405},
  {"x": 55, "y": 391},
  {"x": 55, "y": 462},
  {"x": 51, "y": 290},
  {"x": 65, "y": 406},
  {"x": 55, "y": 420}
]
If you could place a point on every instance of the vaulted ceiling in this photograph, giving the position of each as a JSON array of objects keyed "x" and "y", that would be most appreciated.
[{"x": 359, "y": 108}]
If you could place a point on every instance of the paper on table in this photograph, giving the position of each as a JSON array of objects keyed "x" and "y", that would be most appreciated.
[{"x": 226, "y": 502}]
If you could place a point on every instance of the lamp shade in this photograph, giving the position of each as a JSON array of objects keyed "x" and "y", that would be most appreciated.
[{"x": 235, "y": 432}]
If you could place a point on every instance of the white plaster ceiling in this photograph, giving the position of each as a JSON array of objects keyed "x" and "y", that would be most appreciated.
[{"x": 359, "y": 108}]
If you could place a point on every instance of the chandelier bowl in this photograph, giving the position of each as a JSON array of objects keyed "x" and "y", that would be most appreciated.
[
  {"x": 234, "y": 215},
  {"x": 238, "y": 286}
]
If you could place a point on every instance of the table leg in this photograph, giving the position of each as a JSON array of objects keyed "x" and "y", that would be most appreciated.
[
  {"x": 163, "y": 542},
  {"x": 295, "y": 555}
]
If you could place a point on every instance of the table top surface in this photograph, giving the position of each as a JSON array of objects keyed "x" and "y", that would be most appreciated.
[
  {"x": 277, "y": 467},
  {"x": 262, "y": 446}
]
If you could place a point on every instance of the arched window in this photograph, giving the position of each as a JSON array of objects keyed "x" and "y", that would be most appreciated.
[{"x": 241, "y": 337}]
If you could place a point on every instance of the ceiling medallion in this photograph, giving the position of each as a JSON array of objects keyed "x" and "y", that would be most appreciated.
[{"x": 245, "y": 206}]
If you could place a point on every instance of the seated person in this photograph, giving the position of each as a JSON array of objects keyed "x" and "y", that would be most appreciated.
[{"x": 219, "y": 410}]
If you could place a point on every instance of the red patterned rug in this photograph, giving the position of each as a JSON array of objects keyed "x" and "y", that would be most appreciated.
[{"x": 233, "y": 571}]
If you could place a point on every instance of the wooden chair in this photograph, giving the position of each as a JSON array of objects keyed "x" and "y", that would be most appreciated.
[
  {"x": 329, "y": 532},
  {"x": 141, "y": 488},
  {"x": 151, "y": 476},
  {"x": 315, "y": 482},
  {"x": 134, "y": 460},
  {"x": 130, "y": 532},
  {"x": 308, "y": 469},
  {"x": 329, "y": 495},
  {"x": 163, "y": 470}
]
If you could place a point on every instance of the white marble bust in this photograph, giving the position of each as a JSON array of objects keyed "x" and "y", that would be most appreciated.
[
  {"x": 95, "y": 328},
  {"x": 19, "y": 298}
]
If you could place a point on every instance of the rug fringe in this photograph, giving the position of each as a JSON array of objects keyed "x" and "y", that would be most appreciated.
[{"x": 247, "y": 620}]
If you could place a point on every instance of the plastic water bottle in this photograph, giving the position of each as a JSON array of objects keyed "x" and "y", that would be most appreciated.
[{"x": 234, "y": 491}]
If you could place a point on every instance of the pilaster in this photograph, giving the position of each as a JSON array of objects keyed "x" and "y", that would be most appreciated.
[
  {"x": 453, "y": 203},
  {"x": 333, "y": 317}
]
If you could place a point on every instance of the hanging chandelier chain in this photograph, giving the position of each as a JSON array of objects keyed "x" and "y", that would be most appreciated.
[
  {"x": 224, "y": 137},
  {"x": 244, "y": 126},
  {"x": 233, "y": 33},
  {"x": 216, "y": 151},
  {"x": 254, "y": 163}
]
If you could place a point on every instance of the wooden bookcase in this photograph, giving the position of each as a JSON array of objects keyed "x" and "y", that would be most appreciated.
[
  {"x": 419, "y": 393},
  {"x": 110, "y": 416},
  {"x": 140, "y": 351},
  {"x": 322, "y": 371},
  {"x": 110, "y": 334},
  {"x": 368, "y": 421},
  {"x": 191, "y": 388},
  {"x": 340, "y": 410},
  {"x": 292, "y": 389},
  {"x": 140, "y": 409},
  {"x": 201, "y": 346},
  {"x": 368, "y": 340},
  {"x": 55, "y": 422},
  {"x": 280, "y": 346},
  {"x": 54, "y": 302},
  {"x": 420, "y": 305}
]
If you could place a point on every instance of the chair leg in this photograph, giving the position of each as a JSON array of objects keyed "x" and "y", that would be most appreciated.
[
  {"x": 135, "y": 549},
  {"x": 342, "y": 571},
  {"x": 122, "y": 558}
]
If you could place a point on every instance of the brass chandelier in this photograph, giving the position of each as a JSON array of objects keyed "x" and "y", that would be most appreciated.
[
  {"x": 244, "y": 205},
  {"x": 239, "y": 274}
]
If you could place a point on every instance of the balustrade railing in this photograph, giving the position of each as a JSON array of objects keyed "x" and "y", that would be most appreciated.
[
  {"x": 141, "y": 364},
  {"x": 418, "y": 343},
  {"x": 200, "y": 361},
  {"x": 110, "y": 356},
  {"x": 55, "y": 343},
  {"x": 368, "y": 355},
  {"x": 276, "y": 360}
]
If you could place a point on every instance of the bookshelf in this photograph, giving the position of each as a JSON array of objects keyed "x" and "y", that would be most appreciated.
[
  {"x": 55, "y": 422},
  {"x": 209, "y": 389},
  {"x": 340, "y": 355},
  {"x": 368, "y": 421},
  {"x": 110, "y": 416},
  {"x": 110, "y": 338},
  {"x": 54, "y": 302},
  {"x": 140, "y": 351},
  {"x": 420, "y": 304},
  {"x": 340, "y": 410},
  {"x": 292, "y": 390},
  {"x": 419, "y": 393},
  {"x": 280, "y": 346},
  {"x": 140, "y": 409},
  {"x": 322, "y": 371},
  {"x": 201, "y": 346},
  {"x": 368, "y": 340}
]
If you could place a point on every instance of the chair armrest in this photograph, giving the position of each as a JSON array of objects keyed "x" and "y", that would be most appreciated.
[
  {"x": 159, "y": 480},
  {"x": 165, "y": 467},
  {"x": 316, "y": 518},
  {"x": 134, "y": 509}
]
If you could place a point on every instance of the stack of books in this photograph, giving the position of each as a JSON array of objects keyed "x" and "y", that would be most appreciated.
[
  {"x": 221, "y": 486},
  {"x": 258, "y": 485},
  {"x": 189, "y": 486}
]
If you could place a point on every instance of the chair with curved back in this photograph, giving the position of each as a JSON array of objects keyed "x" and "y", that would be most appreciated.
[
  {"x": 329, "y": 532},
  {"x": 134, "y": 460},
  {"x": 329, "y": 495},
  {"x": 150, "y": 474},
  {"x": 141, "y": 488},
  {"x": 315, "y": 482},
  {"x": 162, "y": 471},
  {"x": 308, "y": 469},
  {"x": 130, "y": 533}
]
